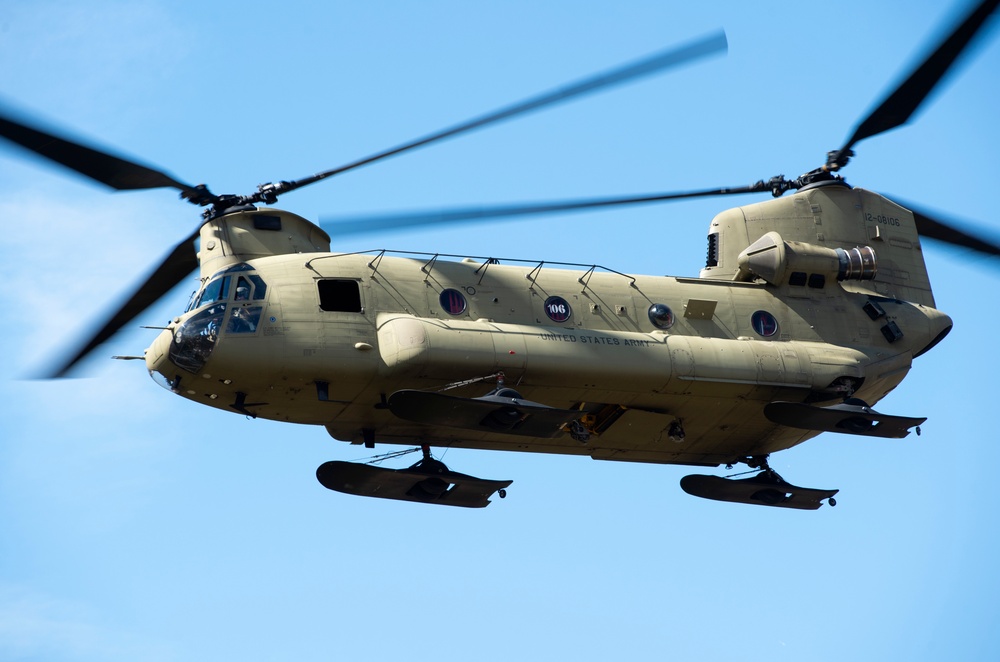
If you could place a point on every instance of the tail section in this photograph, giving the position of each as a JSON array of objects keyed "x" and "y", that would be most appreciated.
[{"x": 819, "y": 220}]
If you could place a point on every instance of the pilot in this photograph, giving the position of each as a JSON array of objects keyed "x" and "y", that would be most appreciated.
[{"x": 241, "y": 321}]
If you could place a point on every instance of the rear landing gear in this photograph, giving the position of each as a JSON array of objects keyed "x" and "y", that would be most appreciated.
[{"x": 766, "y": 488}]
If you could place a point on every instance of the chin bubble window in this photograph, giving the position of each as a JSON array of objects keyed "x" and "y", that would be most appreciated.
[
  {"x": 453, "y": 302},
  {"x": 661, "y": 316},
  {"x": 764, "y": 323}
]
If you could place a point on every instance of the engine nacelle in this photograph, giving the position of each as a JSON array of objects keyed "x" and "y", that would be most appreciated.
[{"x": 774, "y": 259}]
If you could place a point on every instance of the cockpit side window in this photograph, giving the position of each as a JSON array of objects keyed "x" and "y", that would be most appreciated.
[
  {"x": 244, "y": 319},
  {"x": 259, "y": 287},
  {"x": 242, "y": 289},
  {"x": 250, "y": 283}
]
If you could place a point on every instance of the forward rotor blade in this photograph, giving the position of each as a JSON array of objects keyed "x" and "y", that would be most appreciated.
[
  {"x": 355, "y": 225},
  {"x": 101, "y": 166},
  {"x": 932, "y": 228},
  {"x": 900, "y": 105},
  {"x": 174, "y": 268},
  {"x": 709, "y": 45}
]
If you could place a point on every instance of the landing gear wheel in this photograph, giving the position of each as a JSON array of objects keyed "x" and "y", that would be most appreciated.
[
  {"x": 831, "y": 501},
  {"x": 502, "y": 493}
]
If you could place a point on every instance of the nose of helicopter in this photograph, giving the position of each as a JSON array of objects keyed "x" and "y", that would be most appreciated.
[{"x": 157, "y": 359}]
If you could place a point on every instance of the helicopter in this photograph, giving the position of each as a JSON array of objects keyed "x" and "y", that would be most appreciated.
[{"x": 808, "y": 312}]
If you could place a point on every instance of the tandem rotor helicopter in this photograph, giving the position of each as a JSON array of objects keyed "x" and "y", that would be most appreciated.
[{"x": 810, "y": 309}]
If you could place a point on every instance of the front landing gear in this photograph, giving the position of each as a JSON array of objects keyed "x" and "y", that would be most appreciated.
[
  {"x": 766, "y": 488},
  {"x": 427, "y": 481}
]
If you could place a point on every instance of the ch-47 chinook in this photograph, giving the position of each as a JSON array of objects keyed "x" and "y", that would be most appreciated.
[{"x": 810, "y": 309}]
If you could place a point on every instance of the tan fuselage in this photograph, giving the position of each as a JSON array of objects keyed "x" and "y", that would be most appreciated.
[{"x": 711, "y": 371}]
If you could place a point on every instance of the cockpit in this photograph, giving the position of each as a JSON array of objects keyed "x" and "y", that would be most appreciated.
[
  {"x": 248, "y": 286},
  {"x": 231, "y": 302}
]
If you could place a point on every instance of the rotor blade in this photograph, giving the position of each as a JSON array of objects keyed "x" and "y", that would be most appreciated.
[
  {"x": 174, "y": 268},
  {"x": 101, "y": 166},
  {"x": 897, "y": 108},
  {"x": 709, "y": 45},
  {"x": 355, "y": 225},
  {"x": 932, "y": 228}
]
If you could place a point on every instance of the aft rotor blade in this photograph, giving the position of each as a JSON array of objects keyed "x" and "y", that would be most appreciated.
[
  {"x": 933, "y": 228},
  {"x": 710, "y": 45},
  {"x": 174, "y": 268},
  {"x": 354, "y": 225},
  {"x": 101, "y": 166},
  {"x": 900, "y": 105}
]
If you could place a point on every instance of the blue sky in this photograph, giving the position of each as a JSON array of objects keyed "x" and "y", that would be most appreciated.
[{"x": 136, "y": 525}]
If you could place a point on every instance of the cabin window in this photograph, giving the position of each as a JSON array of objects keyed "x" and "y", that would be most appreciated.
[
  {"x": 661, "y": 316},
  {"x": 453, "y": 302},
  {"x": 558, "y": 309},
  {"x": 764, "y": 323},
  {"x": 340, "y": 296}
]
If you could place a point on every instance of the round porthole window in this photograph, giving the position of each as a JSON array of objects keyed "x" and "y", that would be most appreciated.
[
  {"x": 453, "y": 302},
  {"x": 661, "y": 316},
  {"x": 764, "y": 323},
  {"x": 557, "y": 309}
]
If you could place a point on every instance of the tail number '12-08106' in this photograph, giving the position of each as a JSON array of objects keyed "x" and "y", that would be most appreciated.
[{"x": 880, "y": 218}]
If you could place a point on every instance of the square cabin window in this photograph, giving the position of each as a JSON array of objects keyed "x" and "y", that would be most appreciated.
[{"x": 340, "y": 296}]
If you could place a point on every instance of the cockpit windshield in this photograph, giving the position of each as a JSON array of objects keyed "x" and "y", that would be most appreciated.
[
  {"x": 195, "y": 339},
  {"x": 216, "y": 290},
  {"x": 231, "y": 302},
  {"x": 247, "y": 287}
]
